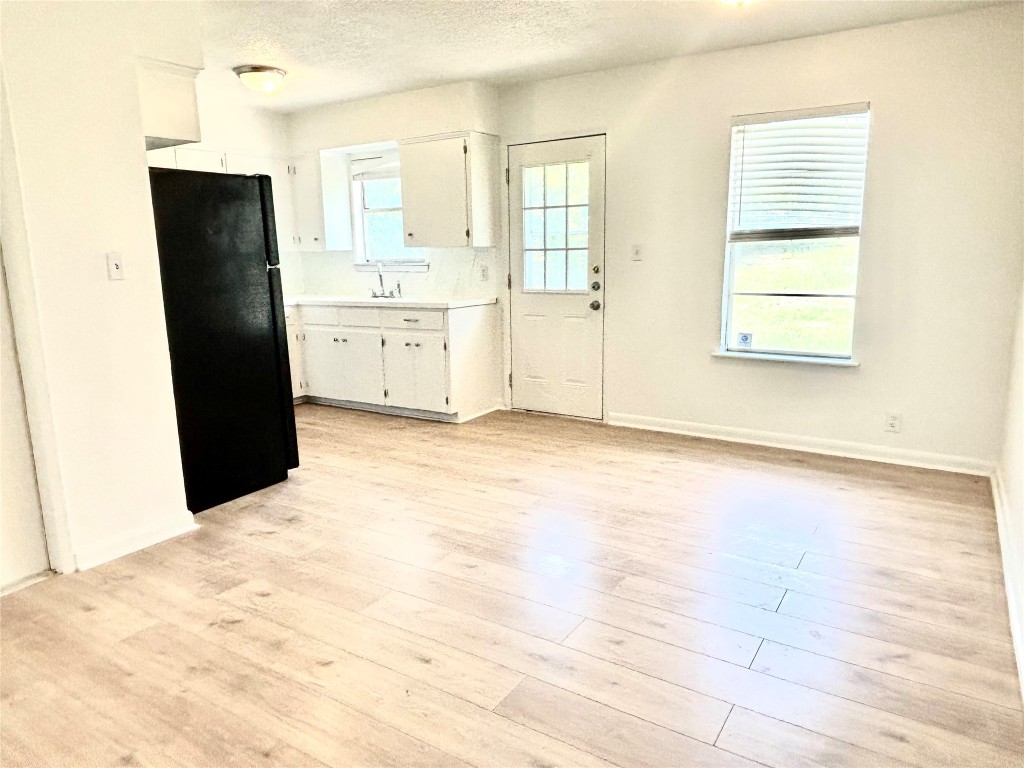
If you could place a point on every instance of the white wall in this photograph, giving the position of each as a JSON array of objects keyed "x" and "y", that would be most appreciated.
[
  {"x": 455, "y": 273},
  {"x": 93, "y": 352},
  {"x": 1009, "y": 493},
  {"x": 941, "y": 246},
  {"x": 466, "y": 106},
  {"x": 22, "y": 542}
]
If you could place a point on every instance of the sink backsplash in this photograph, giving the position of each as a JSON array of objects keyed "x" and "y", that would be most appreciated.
[{"x": 455, "y": 273}]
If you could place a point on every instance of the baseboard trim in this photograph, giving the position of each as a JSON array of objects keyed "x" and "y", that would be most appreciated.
[
  {"x": 1014, "y": 592},
  {"x": 864, "y": 451},
  {"x": 484, "y": 412},
  {"x": 390, "y": 410},
  {"x": 28, "y": 581},
  {"x": 132, "y": 543}
]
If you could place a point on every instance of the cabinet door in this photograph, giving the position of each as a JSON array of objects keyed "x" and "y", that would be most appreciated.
[
  {"x": 415, "y": 371},
  {"x": 434, "y": 193},
  {"x": 307, "y": 194},
  {"x": 344, "y": 364},
  {"x": 161, "y": 158},
  {"x": 295, "y": 359},
  {"x": 199, "y": 160},
  {"x": 281, "y": 183}
]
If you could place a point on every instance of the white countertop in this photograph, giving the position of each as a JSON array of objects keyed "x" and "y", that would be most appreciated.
[{"x": 347, "y": 301}]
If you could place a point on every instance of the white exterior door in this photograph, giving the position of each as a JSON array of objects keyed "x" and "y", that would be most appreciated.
[{"x": 556, "y": 244}]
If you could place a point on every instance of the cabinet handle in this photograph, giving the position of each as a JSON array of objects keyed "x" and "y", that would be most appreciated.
[
  {"x": 410, "y": 319},
  {"x": 408, "y": 344}
]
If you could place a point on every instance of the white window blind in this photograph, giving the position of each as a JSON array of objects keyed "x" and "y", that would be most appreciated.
[
  {"x": 796, "y": 192},
  {"x": 802, "y": 173}
]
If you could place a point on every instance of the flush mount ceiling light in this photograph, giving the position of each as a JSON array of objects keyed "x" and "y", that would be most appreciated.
[{"x": 259, "y": 78}]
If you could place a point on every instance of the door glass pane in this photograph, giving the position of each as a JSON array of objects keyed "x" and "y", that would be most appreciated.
[
  {"x": 826, "y": 265},
  {"x": 577, "y": 271},
  {"x": 533, "y": 187},
  {"x": 533, "y": 271},
  {"x": 554, "y": 184},
  {"x": 578, "y": 227},
  {"x": 554, "y": 274},
  {"x": 555, "y": 235},
  {"x": 579, "y": 183},
  {"x": 382, "y": 193},
  {"x": 533, "y": 229},
  {"x": 821, "y": 326}
]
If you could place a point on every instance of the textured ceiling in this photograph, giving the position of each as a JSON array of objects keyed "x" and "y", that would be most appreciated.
[{"x": 344, "y": 49}]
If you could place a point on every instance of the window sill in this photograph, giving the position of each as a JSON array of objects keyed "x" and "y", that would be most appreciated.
[
  {"x": 805, "y": 359},
  {"x": 389, "y": 266}
]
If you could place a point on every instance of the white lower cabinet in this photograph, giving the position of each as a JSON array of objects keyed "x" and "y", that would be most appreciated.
[
  {"x": 416, "y": 370},
  {"x": 344, "y": 364},
  {"x": 295, "y": 363},
  {"x": 435, "y": 363}
]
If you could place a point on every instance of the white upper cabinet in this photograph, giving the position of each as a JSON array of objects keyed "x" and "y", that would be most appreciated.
[
  {"x": 281, "y": 184},
  {"x": 449, "y": 189},
  {"x": 199, "y": 160},
  {"x": 161, "y": 158},
  {"x": 307, "y": 193}
]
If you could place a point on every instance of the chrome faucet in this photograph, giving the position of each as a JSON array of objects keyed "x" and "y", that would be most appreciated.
[{"x": 383, "y": 293}]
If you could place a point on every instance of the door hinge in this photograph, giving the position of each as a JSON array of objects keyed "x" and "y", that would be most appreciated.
[
  {"x": 382, "y": 341},
  {"x": 446, "y": 346},
  {"x": 506, "y": 175},
  {"x": 467, "y": 234},
  {"x": 465, "y": 147},
  {"x": 385, "y": 393},
  {"x": 510, "y": 381},
  {"x": 446, "y": 401},
  {"x": 510, "y": 281}
]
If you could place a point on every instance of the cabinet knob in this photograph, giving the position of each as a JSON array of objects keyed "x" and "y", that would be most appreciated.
[
  {"x": 408, "y": 344},
  {"x": 595, "y": 286},
  {"x": 335, "y": 338},
  {"x": 416, "y": 344},
  {"x": 409, "y": 234},
  {"x": 344, "y": 341},
  {"x": 595, "y": 304}
]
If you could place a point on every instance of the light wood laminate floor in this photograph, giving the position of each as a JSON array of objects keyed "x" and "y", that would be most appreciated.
[{"x": 525, "y": 590}]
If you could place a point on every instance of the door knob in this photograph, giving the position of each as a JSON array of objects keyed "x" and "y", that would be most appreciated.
[
  {"x": 595, "y": 304},
  {"x": 595, "y": 286}
]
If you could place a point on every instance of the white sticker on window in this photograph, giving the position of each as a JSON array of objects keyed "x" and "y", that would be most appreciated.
[{"x": 745, "y": 339}]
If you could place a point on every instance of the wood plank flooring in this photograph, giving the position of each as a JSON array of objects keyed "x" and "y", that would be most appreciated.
[{"x": 525, "y": 590}]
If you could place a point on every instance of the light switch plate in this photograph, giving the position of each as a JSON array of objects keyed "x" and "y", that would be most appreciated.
[{"x": 115, "y": 266}]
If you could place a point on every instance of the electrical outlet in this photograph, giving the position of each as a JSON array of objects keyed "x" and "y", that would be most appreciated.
[{"x": 893, "y": 422}]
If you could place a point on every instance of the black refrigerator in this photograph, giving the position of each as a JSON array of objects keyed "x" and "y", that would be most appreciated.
[{"x": 221, "y": 281}]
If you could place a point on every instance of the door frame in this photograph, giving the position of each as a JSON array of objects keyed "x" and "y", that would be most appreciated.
[{"x": 507, "y": 383}]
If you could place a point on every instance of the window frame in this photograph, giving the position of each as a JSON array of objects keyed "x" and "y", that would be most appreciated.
[
  {"x": 544, "y": 208},
  {"x": 360, "y": 244},
  {"x": 788, "y": 234}
]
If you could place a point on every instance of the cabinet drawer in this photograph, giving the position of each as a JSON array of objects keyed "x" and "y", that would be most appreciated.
[
  {"x": 314, "y": 315},
  {"x": 412, "y": 319},
  {"x": 359, "y": 317}
]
